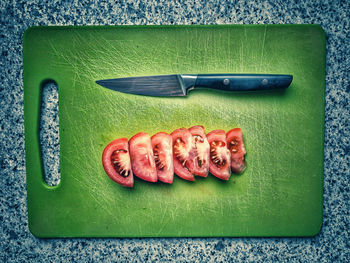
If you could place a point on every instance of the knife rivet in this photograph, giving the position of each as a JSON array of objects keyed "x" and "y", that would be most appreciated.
[
  {"x": 226, "y": 81},
  {"x": 264, "y": 81}
]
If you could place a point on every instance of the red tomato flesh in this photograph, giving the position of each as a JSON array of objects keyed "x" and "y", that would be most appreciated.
[
  {"x": 141, "y": 155},
  {"x": 219, "y": 164},
  {"x": 116, "y": 162},
  {"x": 182, "y": 146},
  {"x": 234, "y": 139},
  {"x": 162, "y": 145},
  {"x": 200, "y": 151}
]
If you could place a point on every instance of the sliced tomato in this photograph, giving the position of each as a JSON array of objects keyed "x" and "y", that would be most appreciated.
[
  {"x": 182, "y": 146},
  {"x": 141, "y": 155},
  {"x": 234, "y": 139},
  {"x": 200, "y": 151},
  {"x": 116, "y": 162},
  {"x": 162, "y": 145},
  {"x": 219, "y": 164}
]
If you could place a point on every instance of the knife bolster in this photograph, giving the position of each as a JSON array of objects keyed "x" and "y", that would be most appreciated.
[{"x": 188, "y": 82}]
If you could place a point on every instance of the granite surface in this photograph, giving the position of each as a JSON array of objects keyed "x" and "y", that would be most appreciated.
[{"x": 17, "y": 244}]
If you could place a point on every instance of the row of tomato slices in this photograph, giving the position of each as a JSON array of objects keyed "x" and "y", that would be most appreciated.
[{"x": 185, "y": 152}]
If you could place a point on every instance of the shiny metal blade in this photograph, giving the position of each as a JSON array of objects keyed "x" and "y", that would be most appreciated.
[{"x": 165, "y": 85}]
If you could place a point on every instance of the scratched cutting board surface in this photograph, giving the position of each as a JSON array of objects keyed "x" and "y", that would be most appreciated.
[{"x": 279, "y": 194}]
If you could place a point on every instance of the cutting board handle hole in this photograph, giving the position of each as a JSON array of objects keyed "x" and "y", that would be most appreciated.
[{"x": 49, "y": 133}]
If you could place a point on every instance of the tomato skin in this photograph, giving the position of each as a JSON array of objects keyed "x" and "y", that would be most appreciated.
[
  {"x": 118, "y": 144},
  {"x": 200, "y": 151},
  {"x": 217, "y": 142},
  {"x": 141, "y": 155},
  {"x": 235, "y": 144},
  {"x": 183, "y": 138},
  {"x": 162, "y": 145}
]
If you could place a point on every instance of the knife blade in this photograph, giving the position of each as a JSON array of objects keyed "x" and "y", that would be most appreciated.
[{"x": 180, "y": 84}]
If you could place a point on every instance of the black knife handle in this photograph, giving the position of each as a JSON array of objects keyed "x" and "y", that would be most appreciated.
[{"x": 243, "y": 82}]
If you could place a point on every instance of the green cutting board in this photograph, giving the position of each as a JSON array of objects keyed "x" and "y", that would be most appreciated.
[{"x": 279, "y": 194}]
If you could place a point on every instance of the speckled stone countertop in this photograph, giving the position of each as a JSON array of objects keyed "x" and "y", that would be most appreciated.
[{"x": 17, "y": 244}]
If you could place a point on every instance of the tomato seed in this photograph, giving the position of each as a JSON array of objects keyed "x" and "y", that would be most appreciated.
[
  {"x": 233, "y": 143},
  {"x": 200, "y": 162},
  {"x": 115, "y": 159}
]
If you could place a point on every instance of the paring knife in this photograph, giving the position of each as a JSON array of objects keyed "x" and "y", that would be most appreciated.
[{"x": 180, "y": 84}]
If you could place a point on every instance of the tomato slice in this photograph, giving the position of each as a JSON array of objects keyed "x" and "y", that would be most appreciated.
[
  {"x": 219, "y": 164},
  {"x": 141, "y": 155},
  {"x": 116, "y": 162},
  {"x": 162, "y": 145},
  {"x": 182, "y": 146},
  {"x": 200, "y": 151},
  {"x": 234, "y": 139}
]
